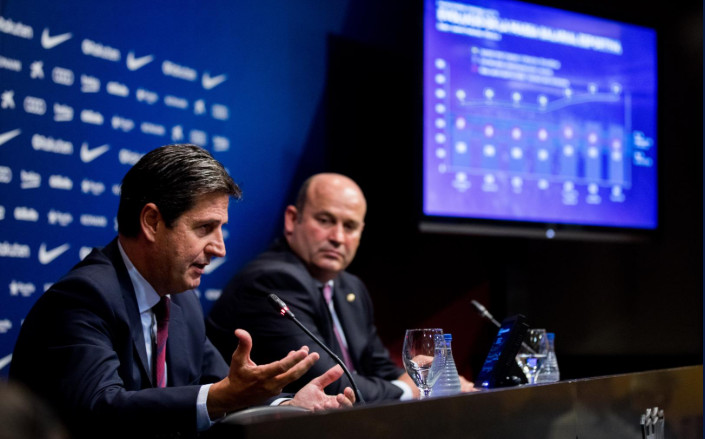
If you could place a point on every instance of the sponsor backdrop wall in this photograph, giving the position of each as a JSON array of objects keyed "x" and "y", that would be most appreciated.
[{"x": 88, "y": 87}]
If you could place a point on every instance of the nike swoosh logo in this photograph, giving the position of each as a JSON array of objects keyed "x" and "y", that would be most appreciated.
[
  {"x": 6, "y": 137},
  {"x": 137, "y": 63},
  {"x": 49, "y": 42},
  {"x": 47, "y": 256},
  {"x": 88, "y": 154},
  {"x": 210, "y": 268},
  {"x": 209, "y": 82},
  {"x": 4, "y": 361}
]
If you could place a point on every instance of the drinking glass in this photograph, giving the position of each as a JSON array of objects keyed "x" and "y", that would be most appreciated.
[
  {"x": 424, "y": 356},
  {"x": 532, "y": 353}
]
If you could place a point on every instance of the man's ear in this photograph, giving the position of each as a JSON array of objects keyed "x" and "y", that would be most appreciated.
[
  {"x": 150, "y": 219},
  {"x": 291, "y": 216}
]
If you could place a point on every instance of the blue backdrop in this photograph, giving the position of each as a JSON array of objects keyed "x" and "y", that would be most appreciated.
[{"x": 88, "y": 87}]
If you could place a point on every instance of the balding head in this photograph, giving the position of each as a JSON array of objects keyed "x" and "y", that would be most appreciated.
[{"x": 325, "y": 226}]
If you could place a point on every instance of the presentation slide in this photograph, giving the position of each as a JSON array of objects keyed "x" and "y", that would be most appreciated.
[{"x": 536, "y": 114}]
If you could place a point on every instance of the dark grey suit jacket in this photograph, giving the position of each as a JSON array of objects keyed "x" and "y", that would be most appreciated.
[
  {"x": 243, "y": 304},
  {"x": 81, "y": 347}
]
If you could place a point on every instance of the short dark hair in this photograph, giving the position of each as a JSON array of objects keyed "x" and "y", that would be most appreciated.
[
  {"x": 172, "y": 177},
  {"x": 302, "y": 196}
]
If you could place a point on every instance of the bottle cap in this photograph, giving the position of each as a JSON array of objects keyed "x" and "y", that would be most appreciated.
[
  {"x": 551, "y": 336},
  {"x": 447, "y": 337}
]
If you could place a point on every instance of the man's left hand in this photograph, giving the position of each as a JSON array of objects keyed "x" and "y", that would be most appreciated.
[{"x": 312, "y": 397}]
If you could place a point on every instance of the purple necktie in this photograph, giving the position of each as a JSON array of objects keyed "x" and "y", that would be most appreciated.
[
  {"x": 328, "y": 295},
  {"x": 161, "y": 311}
]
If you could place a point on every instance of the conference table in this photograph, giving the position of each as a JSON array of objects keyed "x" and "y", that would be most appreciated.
[{"x": 600, "y": 407}]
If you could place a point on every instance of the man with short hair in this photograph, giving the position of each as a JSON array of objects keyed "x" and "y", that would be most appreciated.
[
  {"x": 307, "y": 271},
  {"x": 118, "y": 345}
]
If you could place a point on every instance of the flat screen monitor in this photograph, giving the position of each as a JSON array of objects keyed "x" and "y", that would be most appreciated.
[
  {"x": 500, "y": 368},
  {"x": 537, "y": 120}
]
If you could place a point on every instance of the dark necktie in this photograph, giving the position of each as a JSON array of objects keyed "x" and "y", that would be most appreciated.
[
  {"x": 328, "y": 295},
  {"x": 161, "y": 312}
]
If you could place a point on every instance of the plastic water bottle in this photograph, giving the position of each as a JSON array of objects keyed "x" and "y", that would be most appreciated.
[
  {"x": 449, "y": 381},
  {"x": 549, "y": 372}
]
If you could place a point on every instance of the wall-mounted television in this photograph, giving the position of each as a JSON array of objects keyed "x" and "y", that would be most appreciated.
[{"x": 537, "y": 121}]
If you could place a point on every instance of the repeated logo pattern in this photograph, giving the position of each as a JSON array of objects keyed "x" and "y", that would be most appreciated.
[{"x": 77, "y": 109}]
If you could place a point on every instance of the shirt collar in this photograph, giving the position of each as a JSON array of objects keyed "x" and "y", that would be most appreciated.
[{"x": 146, "y": 295}]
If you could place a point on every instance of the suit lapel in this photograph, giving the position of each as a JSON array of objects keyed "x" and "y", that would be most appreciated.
[
  {"x": 348, "y": 314},
  {"x": 131, "y": 309}
]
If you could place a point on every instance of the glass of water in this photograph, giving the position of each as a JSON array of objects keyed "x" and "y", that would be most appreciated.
[
  {"x": 424, "y": 356},
  {"x": 533, "y": 353}
]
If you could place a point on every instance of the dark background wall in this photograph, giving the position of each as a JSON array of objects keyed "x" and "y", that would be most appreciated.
[
  {"x": 335, "y": 85},
  {"x": 615, "y": 307}
]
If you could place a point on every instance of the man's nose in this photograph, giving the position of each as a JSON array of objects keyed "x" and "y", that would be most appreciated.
[
  {"x": 336, "y": 233},
  {"x": 217, "y": 246}
]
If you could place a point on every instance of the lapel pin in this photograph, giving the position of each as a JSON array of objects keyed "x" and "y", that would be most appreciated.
[{"x": 350, "y": 297}]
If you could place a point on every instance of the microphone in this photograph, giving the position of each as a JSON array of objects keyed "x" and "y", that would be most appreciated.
[
  {"x": 284, "y": 310},
  {"x": 486, "y": 314}
]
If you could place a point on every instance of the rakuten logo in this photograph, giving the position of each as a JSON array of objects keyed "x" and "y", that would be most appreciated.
[
  {"x": 98, "y": 50},
  {"x": 14, "y": 250},
  {"x": 16, "y": 28},
  {"x": 49, "y": 144},
  {"x": 182, "y": 72},
  {"x": 23, "y": 213}
]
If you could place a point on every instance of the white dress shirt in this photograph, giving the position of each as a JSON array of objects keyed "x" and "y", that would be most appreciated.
[{"x": 147, "y": 297}]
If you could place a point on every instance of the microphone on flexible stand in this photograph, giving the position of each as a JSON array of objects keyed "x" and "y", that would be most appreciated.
[
  {"x": 284, "y": 310},
  {"x": 486, "y": 314}
]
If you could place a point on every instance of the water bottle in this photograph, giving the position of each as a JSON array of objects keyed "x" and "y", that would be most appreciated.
[
  {"x": 549, "y": 372},
  {"x": 449, "y": 381}
]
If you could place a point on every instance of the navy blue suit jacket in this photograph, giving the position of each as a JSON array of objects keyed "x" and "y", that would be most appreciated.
[
  {"x": 243, "y": 304},
  {"x": 82, "y": 348}
]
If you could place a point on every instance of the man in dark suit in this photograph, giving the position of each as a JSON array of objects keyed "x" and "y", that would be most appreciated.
[
  {"x": 94, "y": 344},
  {"x": 321, "y": 235}
]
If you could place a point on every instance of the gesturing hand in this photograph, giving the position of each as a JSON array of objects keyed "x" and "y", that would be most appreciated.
[
  {"x": 248, "y": 384},
  {"x": 312, "y": 397}
]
